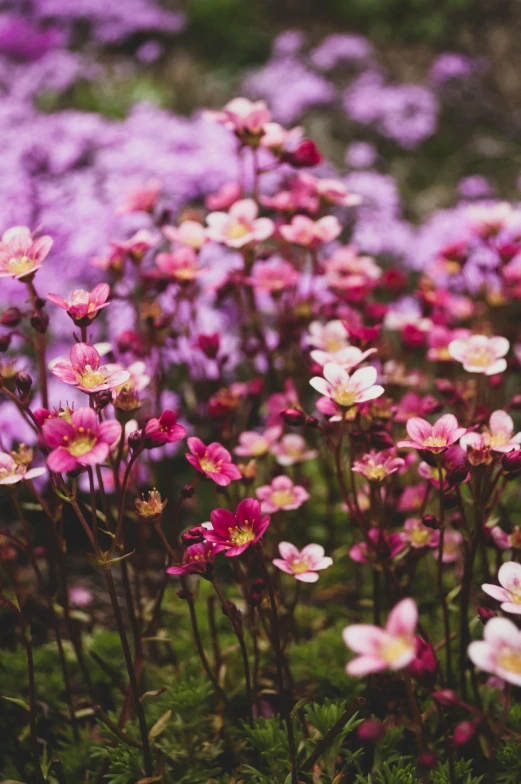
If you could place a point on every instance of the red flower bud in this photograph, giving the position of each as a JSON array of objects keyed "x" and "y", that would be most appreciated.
[
  {"x": 464, "y": 732},
  {"x": 485, "y": 614},
  {"x": 187, "y": 491},
  {"x": 293, "y": 417},
  {"x": 135, "y": 440},
  {"x": 209, "y": 344},
  {"x": 446, "y": 697},
  {"x": 304, "y": 155},
  {"x": 427, "y": 760},
  {"x": 24, "y": 383},
  {"x": 4, "y": 342},
  {"x": 371, "y": 730},
  {"x": 430, "y": 521},
  {"x": 194, "y": 535},
  {"x": 511, "y": 463},
  {"x": 40, "y": 321},
  {"x": 11, "y": 317}
]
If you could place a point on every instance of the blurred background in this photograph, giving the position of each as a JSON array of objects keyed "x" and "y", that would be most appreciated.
[{"x": 414, "y": 102}]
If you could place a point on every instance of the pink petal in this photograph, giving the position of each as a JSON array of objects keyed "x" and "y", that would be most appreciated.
[
  {"x": 418, "y": 429},
  {"x": 222, "y": 520},
  {"x": 288, "y": 551},
  {"x": 363, "y": 378},
  {"x": 62, "y": 303},
  {"x": 196, "y": 446},
  {"x": 365, "y": 665},
  {"x": 248, "y": 510},
  {"x": 83, "y": 354},
  {"x": 98, "y": 454},
  {"x": 307, "y": 577},
  {"x": 335, "y": 374},
  {"x": 496, "y": 592},
  {"x": 501, "y": 632},
  {"x": 482, "y": 655},
  {"x": 403, "y": 619},
  {"x": 109, "y": 432},
  {"x": 500, "y": 420},
  {"x": 282, "y": 565},
  {"x": 86, "y": 418},
  {"x": 321, "y": 385},
  {"x": 65, "y": 373},
  {"x": 509, "y": 576},
  {"x": 445, "y": 426},
  {"x": 56, "y": 430},
  {"x": 511, "y": 607},
  {"x": 363, "y": 638},
  {"x": 314, "y": 551},
  {"x": 61, "y": 460}
]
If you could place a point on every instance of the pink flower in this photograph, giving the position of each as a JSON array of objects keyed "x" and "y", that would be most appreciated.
[
  {"x": 253, "y": 444},
  {"x": 309, "y": 233},
  {"x": 419, "y": 535},
  {"x": 277, "y": 138},
  {"x": 141, "y": 199},
  {"x": 499, "y": 437},
  {"x": 348, "y": 357},
  {"x": 480, "y": 354},
  {"x": 273, "y": 276},
  {"x": 353, "y": 275},
  {"x": 82, "y": 441},
  {"x": 196, "y": 559},
  {"x": 12, "y": 472},
  {"x": 452, "y": 542},
  {"x": 83, "y": 305},
  {"x": 377, "y": 466},
  {"x": 20, "y": 254},
  {"x": 239, "y": 226},
  {"x": 509, "y": 594},
  {"x": 136, "y": 246},
  {"x": 346, "y": 390},
  {"x": 234, "y": 533},
  {"x": 303, "y": 564},
  {"x": 292, "y": 449},
  {"x": 500, "y": 650},
  {"x": 335, "y": 192},
  {"x": 487, "y": 220},
  {"x": 86, "y": 373},
  {"x": 246, "y": 118},
  {"x": 213, "y": 460},
  {"x": 391, "y": 648},
  {"x": 223, "y": 199},
  {"x": 181, "y": 265},
  {"x": 384, "y": 546},
  {"x": 432, "y": 438},
  {"x": 164, "y": 430},
  {"x": 281, "y": 494},
  {"x": 190, "y": 233},
  {"x": 330, "y": 337}
]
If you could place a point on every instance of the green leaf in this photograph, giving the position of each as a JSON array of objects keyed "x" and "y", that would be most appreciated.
[
  {"x": 16, "y": 701},
  {"x": 160, "y": 725}
]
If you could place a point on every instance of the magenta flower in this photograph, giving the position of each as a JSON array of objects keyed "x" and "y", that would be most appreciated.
[
  {"x": 239, "y": 226},
  {"x": 432, "y": 438},
  {"x": 509, "y": 593},
  {"x": 452, "y": 543},
  {"x": 164, "y": 430},
  {"x": 234, "y": 533},
  {"x": 20, "y": 254},
  {"x": 86, "y": 373},
  {"x": 393, "y": 647},
  {"x": 253, "y": 444},
  {"x": 309, "y": 233},
  {"x": 480, "y": 354},
  {"x": 499, "y": 437},
  {"x": 345, "y": 390},
  {"x": 384, "y": 547},
  {"x": 419, "y": 535},
  {"x": 244, "y": 117},
  {"x": 82, "y": 441},
  {"x": 273, "y": 276},
  {"x": 181, "y": 265},
  {"x": 213, "y": 460},
  {"x": 83, "y": 305},
  {"x": 302, "y": 564},
  {"x": 196, "y": 559},
  {"x": 142, "y": 198},
  {"x": 377, "y": 466},
  {"x": 281, "y": 494},
  {"x": 500, "y": 650},
  {"x": 12, "y": 472}
]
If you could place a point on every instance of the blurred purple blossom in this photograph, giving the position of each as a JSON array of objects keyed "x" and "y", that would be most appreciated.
[{"x": 338, "y": 49}]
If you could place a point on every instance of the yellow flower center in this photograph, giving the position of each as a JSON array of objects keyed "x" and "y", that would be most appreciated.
[
  {"x": 479, "y": 357},
  {"x": 91, "y": 378},
  {"x": 510, "y": 660},
  {"x": 185, "y": 273},
  {"x": 19, "y": 264},
  {"x": 259, "y": 448},
  {"x": 332, "y": 344},
  {"x": 435, "y": 441},
  {"x": 212, "y": 466},
  {"x": 236, "y": 230},
  {"x": 375, "y": 473},
  {"x": 300, "y": 565},
  {"x": 240, "y": 536},
  {"x": 82, "y": 445},
  {"x": 394, "y": 648},
  {"x": 344, "y": 397},
  {"x": 419, "y": 537},
  {"x": 282, "y": 497}
]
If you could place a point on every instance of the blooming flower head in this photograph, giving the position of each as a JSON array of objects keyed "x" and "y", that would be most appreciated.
[
  {"x": 509, "y": 590},
  {"x": 152, "y": 507},
  {"x": 452, "y": 543},
  {"x": 13, "y": 471},
  {"x": 196, "y": 559},
  {"x": 489, "y": 220},
  {"x": 239, "y": 226},
  {"x": 393, "y": 647},
  {"x": 234, "y": 533},
  {"x": 419, "y": 535},
  {"x": 432, "y": 438},
  {"x": 21, "y": 254},
  {"x": 83, "y": 306},
  {"x": 86, "y": 373},
  {"x": 189, "y": 232},
  {"x": 292, "y": 449},
  {"x": 498, "y": 437},
  {"x": 348, "y": 357},
  {"x": 382, "y": 546},
  {"x": 182, "y": 265},
  {"x": 302, "y": 564},
  {"x": 253, "y": 444},
  {"x": 142, "y": 198},
  {"x": 309, "y": 233},
  {"x": 273, "y": 276},
  {"x": 330, "y": 337},
  {"x": 500, "y": 650},
  {"x": 245, "y": 118},
  {"x": 281, "y": 494},
  {"x": 136, "y": 246},
  {"x": 213, "y": 460},
  {"x": 345, "y": 390},
  {"x": 79, "y": 440},
  {"x": 164, "y": 430},
  {"x": 480, "y": 354},
  {"x": 352, "y": 275},
  {"x": 377, "y": 466}
]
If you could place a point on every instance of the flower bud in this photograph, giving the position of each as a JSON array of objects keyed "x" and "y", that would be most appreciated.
[
  {"x": 312, "y": 422},
  {"x": 187, "y": 491},
  {"x": 515, "y": 403},
  {"x": 511, "y": 463},
  {"x": 371, "y": 730},
  {"x": 152, "y": 508},
  {"x": 11, "y": 317},
  {"x": 304, "y": 155},
  {"x": 135, "y": 440},
  {"x": 194, "y": 535},
  {"x": 381, "y": 439},
  {"x": 24, "y": 384},
  {"x": 446, "y": 697},
  {"x": 485, "y": 614},
  {"x": 293, "y": 417},
  {"x": 209, "y": 344},
  {"x": 427, "y": 760},
  {"x": 457, "y": 476},
  {"x": 464, "y": 732},
  {"x": 40, "y": 321},
  {"x": 5, "y": 340},
  {"x": 430, "y": 521},
  {"x": 102, "y": 399},
  {"x": 423, "y": 667}
]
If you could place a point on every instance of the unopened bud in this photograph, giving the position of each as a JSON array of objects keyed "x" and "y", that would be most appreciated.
[
  {"x": 24, "y": 384},
  {"x": 187, "y": 491},
  {"x": 371, "y": 730},
  {"x": 40, "y": 321},
  {"x": 195, "y": 535},
  {"x": 446, "y": 697},
  {"x": 304, "y": 155},
  {"x": 11, "y": 317},
  {"x": 312, "y": 422},
  {"x": 430, "y": 521},
  {"x": 427, "y": 760},
  {"x": 485, "y": 614},
  {"x": 464, "y": 732},
  {"x": 209, "y": 344},
  {"x": 511, "y": 463},
  {"x": 5, "y": 340},
  {"x": 381, "y": 439},
  {"x": 293, "y": 417},
  {"x": 102, "y": 399},
  {"x": 135, "y": 440},
  {"x": 515, "y": 403}
]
